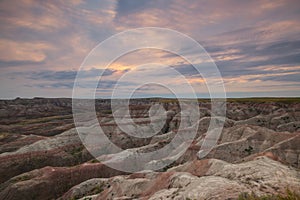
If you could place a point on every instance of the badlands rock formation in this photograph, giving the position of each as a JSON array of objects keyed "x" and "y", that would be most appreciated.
[{"x": 43, "y": 157}]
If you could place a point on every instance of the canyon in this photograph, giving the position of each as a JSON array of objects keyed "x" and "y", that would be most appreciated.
[{"x": 42, "y": 155}]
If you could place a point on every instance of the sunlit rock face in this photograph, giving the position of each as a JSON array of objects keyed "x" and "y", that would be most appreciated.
[{"x": 43, "y": 157}]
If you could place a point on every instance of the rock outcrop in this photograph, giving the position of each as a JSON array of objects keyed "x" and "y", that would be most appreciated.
[{"x": 43, "y": 157}]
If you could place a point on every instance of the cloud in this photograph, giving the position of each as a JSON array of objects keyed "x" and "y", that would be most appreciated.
[
  {"x": 67, "y": 85},
  {"x": 13, "y": 63},
  {"x": 47, "y": 79},
  {"x": 250, "y": 41},
  {"x": 248, "y": 57},
  {"x": 68, "y": 75},
  {"x": 258, "y": 34},
  {"x": 103, "y": 85},
  {"x": 287, "y": 77},
  {"x": 71, "y": 29},
  {"x": 23, "y": 51},
  {"x": 125, "y": 7}
]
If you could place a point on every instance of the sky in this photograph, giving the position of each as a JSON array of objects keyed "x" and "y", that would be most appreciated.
[{"x": 254, "y": 44}]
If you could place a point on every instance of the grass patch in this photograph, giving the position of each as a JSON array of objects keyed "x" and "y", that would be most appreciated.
[
  {"x": 77, "y": 150},
  {"x": 77, "y": 154},
  {"x": 44, "y": 119},
  {"x": 94, "y": 161},
  {"x": 3, "y": 135},
  {"x": 241, "y": 100},
  {"x": 290, "y": 195},
  {"x": 98, "y": 189},
  {"x": 266, "y": 99},
  {"x": 21, "y": 178},
  {"x": 106, "y": 112}
]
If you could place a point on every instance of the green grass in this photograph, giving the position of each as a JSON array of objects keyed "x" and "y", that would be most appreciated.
[
  {"x": 21, "y": 178},
  {"x": 242, "y": 100},
  {"x": 168, "y": 100},
  {"x": 266, "y": 99},
  {"x": 77, "y": 154},
  {"x": 40, "y": 120},
  {"x": 107, "y": 112},
  {"x": 98, "y": 189},
  {"x": 94, "y": 161},
  {"x": 77, "y": 150},
  {"x": 45, "y": 119},
  {"x": 290, "y": 195}
]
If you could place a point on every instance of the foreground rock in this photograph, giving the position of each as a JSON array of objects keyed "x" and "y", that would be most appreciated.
[
  {"x": 62, "y": 150},
  {"x": 199, "y": 179},
  {"x": 51, "y": 182},
  {"x": 42, "y": 156}
]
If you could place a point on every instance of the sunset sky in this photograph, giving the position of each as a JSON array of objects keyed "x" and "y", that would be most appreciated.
[{"x": 255, "y": 44}]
